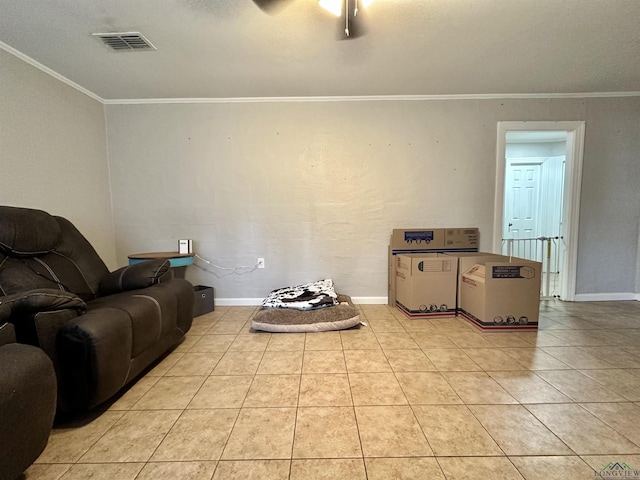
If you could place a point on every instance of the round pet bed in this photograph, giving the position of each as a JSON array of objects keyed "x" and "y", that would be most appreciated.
[{"x": 337, "y": 317}]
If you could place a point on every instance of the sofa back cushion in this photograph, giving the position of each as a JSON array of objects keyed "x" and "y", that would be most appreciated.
[
  {"x": 83, "y": 268},
  {"x": 38, "y": 250},
  {"x": 27, "y": 232}
]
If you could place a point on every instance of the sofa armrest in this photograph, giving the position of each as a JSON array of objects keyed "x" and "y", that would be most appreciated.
[
  {"x": 29, "y": 303},
  {"x": 94, "y": 357},
  {"x": 134, "y": 277},
  {"x": 36, "y": 316},
  {"x": 27, "y": 406}
]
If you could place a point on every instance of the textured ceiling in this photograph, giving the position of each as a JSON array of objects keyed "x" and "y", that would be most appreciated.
[{"x": 231, "y": 48}]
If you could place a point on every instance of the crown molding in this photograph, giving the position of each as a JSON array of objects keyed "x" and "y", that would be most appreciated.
[
  {"x": 48, "y": 71},
  {"x": 357, "y": 98},
  {"x": 366, "y": 98}
]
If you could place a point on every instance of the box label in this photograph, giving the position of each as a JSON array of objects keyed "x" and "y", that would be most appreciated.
[
  {"x": 418, "y": 236},
  {"x": 469, "y": 281},
  {"x": 461, "y": 236},
  {"x": 443, "y": 266},
  {"x": 512, "y": 271}
]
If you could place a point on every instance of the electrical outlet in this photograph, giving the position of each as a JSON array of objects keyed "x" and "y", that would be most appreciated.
[{"x": 261, "y": 263}]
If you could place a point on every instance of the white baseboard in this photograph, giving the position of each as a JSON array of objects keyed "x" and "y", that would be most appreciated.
[
  {"x": 238, "y": 302},
  {"x": 605, "y": 297},
  {"x": 369, "y": 300},
  {"x": 252, "y": 302}
]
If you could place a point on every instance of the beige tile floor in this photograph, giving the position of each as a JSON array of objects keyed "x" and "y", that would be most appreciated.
[{"x": 395, "y": 399}]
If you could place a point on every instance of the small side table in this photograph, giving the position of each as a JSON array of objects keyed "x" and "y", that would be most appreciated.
[{"x": 177, "y": 261}]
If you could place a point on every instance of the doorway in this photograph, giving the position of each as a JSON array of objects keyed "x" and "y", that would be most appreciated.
[{"x": 538, "y": 177}]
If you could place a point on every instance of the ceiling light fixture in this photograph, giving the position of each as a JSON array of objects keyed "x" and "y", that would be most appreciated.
[
  {"x": 348, "y": 8},
  {"x": 332, "y": 6}
]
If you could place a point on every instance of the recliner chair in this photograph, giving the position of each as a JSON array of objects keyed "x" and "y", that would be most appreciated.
[
  {"x": 101, "y": 329},
  {"x": 27, "y": 403}
]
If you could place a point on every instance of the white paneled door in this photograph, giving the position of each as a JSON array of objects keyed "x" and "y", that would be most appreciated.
[{"x": 522, "y": 199}]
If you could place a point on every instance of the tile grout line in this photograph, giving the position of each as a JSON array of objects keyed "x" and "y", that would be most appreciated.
[
  {"x": 410, "y": 332},
  {"x": 353, "y": 407},
  {"x": 295, "y": 418}
]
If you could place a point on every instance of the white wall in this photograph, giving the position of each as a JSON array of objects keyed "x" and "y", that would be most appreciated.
[
  {"x": 535, "y": 149},
  {"x": 316, "y": 187},
  {"x": 637, "y": 289},
  {"x": 53, "y": 153}
]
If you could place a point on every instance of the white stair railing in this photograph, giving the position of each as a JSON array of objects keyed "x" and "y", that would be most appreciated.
[{"x": 542, "y": 249}]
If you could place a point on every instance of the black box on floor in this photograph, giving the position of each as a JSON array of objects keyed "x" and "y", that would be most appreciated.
[{"x": 203, "y": 300}]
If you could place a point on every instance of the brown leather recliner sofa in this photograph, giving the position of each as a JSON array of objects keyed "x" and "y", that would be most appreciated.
[{"x": 101, "y": 329}]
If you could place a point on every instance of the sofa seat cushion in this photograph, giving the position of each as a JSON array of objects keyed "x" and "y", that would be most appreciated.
[{"x": 151, "y": 311}]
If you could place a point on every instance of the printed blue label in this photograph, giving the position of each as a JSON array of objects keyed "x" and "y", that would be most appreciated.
[{"x": 418, "y": 236}]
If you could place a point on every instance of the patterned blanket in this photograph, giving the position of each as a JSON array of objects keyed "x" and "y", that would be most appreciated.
[{"x": 310, "y": 296}]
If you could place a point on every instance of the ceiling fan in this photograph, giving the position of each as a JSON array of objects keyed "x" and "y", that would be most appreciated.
[{"x": 352, "y": 23}]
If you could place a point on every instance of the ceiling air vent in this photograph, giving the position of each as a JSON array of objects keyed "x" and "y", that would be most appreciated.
[{"x": 125, "y": 41}]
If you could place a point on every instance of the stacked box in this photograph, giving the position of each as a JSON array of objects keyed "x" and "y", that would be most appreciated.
[
  {"x": 427, "y": 240},
  {"x": 502, "y": 295},
  {"x": 468, "y": 260},
  {"x": 439, "y": 272}
]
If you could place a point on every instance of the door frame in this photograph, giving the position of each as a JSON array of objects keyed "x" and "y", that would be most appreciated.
[{"x": 570, "y": 199}]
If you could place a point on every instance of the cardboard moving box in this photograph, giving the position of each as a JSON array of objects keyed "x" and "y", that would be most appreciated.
[
  {"x": 420, "y": 240},
  {"x": 426, "y": 284},
  {"x": 466, "y": 260},
  {"x": 427, "y": 240},
  {"x": 502, "y": 295}
]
